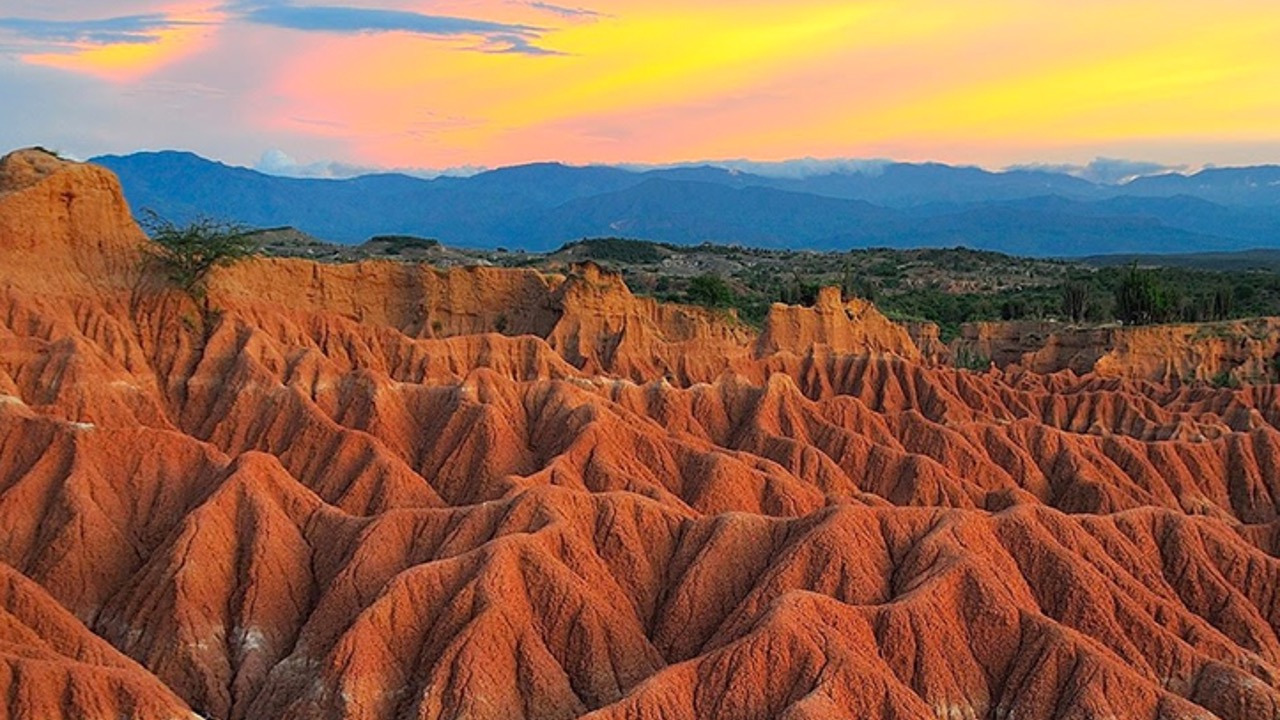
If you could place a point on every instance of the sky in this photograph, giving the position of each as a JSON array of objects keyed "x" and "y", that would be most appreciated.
[{"x": 334, "y": 88}]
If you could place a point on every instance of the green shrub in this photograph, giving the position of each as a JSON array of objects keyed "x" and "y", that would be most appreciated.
[
  {"x": 969, "y": 360},
  {"x": 1141, "y": 299},
  {"x": 710, "y": 291},
  {"x": 186, "y": 254},
  {"x": 621, "y": 250},
  {"x": 1075, "y": 300},
  {"x": 1224, "y": 380},
  {"x": 397, "y": 244}
]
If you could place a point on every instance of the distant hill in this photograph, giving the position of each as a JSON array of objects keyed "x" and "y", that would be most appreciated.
[
  {"x": 541, "y": 206},
  {"x": 693, "y": 212},
  {"x": 1258, "y": 260}
]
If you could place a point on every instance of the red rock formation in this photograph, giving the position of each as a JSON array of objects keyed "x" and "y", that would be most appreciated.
[
  {"x": 381, "y": 491},
  {"x": 853, "y": 327},
  {"x": 62, "y": 223},
  {"x": 928, "y": 339},
  {"x": 52, "y": 667},
  {"x": 1236, "y": 351}
]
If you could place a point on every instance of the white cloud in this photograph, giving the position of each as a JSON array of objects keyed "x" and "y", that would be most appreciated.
[
  {"x": 1108, "y": 171},
  {"x": 278, "y": 162},
  {"x": 789, "y": 169}
]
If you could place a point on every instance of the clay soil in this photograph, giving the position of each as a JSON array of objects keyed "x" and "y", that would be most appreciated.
[{"x": 379, "y": 490}]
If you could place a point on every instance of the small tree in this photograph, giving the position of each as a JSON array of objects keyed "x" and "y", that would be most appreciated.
[
  {"x": 1223, "y": 303},
  {"x": 710, "y": 291},
  {"x": 1140, "y": 299},
  {"x": 188, "y": 253},
  {"x": 1075, "y": 300},
  {"x": 854, "y": 285},
  {"x": 1013, "y": 309}
]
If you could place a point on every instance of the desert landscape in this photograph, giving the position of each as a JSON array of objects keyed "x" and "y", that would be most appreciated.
[
  {"x": 639, "y": 360},
  {"x": 381, "y": 490}
]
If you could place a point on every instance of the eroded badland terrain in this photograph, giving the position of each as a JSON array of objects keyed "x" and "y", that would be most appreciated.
[{"x": 379, "y": 490}]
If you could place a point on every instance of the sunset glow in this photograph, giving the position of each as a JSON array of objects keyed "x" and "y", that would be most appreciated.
[
  {"x": 125, "y": 62},
  {"x": 416, "y": 84}
]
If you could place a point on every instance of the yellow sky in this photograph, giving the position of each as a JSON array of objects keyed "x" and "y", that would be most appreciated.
[{"x": 661, "y": 81}]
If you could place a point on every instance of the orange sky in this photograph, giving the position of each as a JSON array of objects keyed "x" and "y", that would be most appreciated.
[{"x": 989, "y": 81}]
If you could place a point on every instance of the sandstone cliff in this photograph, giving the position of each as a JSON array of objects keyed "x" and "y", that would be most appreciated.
[
  {"x": 380, "y": 491},
  {"x": 854, "y": 327},
  {"x": 1235, "y": 351}
]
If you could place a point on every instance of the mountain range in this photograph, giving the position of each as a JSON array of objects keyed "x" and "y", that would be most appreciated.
[{"x": 541, "y": 206}]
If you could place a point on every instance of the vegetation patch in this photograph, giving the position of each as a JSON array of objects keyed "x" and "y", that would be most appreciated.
[
  {"x": 946, "y": 286},
  {"x": 400, "y": 244},
  {"x": 187, "y": 254},
  {"x": 618, "y": 250}
]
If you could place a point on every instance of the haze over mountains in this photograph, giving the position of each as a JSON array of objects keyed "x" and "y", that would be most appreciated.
[{"x": 540, "y": 206}]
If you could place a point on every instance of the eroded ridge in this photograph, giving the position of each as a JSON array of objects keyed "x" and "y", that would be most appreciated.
[{"x": 383, "y": 491}]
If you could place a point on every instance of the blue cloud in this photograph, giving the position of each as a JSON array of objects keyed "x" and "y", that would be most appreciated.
[
  {"x": 497, "y": 36},
  {"x": 107, "y": 31},
  {"x": 494, "y": 37},
  {"x": 515, "y": 44},
  {"x": 563, "y": 11},
  {"x": 373, "y": 20}
]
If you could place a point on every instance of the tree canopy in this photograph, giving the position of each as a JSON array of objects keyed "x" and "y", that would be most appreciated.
[
  {"x": 188, "y": 253},
  {"x": 1141, "y": 299},
  {"x": 710, "y": 291}
]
